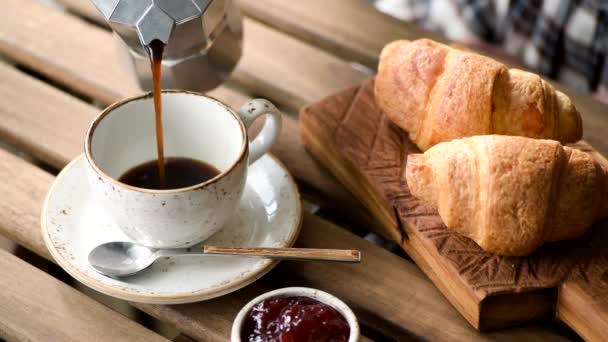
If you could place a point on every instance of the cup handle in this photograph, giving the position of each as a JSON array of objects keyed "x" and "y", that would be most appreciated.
[{"x": 252, "y": 110}]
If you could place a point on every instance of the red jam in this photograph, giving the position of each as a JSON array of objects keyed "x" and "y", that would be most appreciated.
[{"x": 294, "y": 319}]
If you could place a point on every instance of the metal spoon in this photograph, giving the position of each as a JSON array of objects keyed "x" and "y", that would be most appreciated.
[{"x": 120, "y": 259}]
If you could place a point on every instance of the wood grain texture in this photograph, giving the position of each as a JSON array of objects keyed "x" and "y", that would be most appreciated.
[
  {"x": 336, "y": 26},
  {"x": 315, "y": 22},
  {"x": 23, "y": 20},
  {"x": 310, "y": 254},
  {"x": 260, "y": 81},
  {"x": 352, "y": 29},
  {"x": 386, "y": 291},
  {"x": 267, "y": 67},
  {"x": 53, "y": 128},
  {"x": 416, "y": 315},
  {"x": 270, "y": 77},
  {"x": 183, "y": 338},
  {"x": 8, "y": 245},
  {"x": 76, "y": 59},
  {"x": 368, "y": 153},
  {"x": 37, "y": 307},
  {"x": 282, "y": 68},
  {"x": 85, "y": 9},
  {"x": 582, "y": 300}
]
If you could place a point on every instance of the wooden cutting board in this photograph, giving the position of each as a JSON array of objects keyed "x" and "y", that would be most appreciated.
[{"x": 367, "y": 153}]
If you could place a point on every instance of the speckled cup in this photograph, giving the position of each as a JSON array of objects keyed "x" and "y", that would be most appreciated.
[{"x": 195, "y": 126}]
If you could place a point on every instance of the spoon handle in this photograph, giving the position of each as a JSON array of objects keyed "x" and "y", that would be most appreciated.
[{"x": 343, "y": 255}]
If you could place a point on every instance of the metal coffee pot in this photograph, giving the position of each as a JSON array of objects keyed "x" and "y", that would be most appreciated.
[{"x": 203, "y": 38}]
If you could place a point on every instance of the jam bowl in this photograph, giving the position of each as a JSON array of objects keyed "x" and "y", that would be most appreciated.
[{"x": 296, "y": 311}]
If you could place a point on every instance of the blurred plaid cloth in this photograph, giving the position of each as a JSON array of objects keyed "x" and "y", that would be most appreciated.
[{"x": 566, "y": 40}]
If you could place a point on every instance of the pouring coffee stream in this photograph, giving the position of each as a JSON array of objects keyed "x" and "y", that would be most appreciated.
[
  {"x": 155, "y": 50},
  {"x": 200, "y": 42},
  {"x": 170, "y": 172}
]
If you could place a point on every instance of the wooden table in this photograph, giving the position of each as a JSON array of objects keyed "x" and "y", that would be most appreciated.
[{"x": 61, "y": 67}]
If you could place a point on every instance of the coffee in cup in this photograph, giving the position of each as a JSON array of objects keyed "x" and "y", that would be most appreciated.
[{"x": 206, "y": 143}]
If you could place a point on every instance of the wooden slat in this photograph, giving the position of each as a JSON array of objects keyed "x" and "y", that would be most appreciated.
[
  {"x": 269, "y": 57},
  {"x": 592, "y": 324},
  {"x": 347, "y": 28},
  {"x": 84, "y": 8},
  {"x": 337, "y": 27},
  {"x": 24, "y": 195},
  {"x": 98, "y": 61},
  {"x": 354, "y": 30},
  {"x": 60, "y": 55},
  {"x": 36, "y": 20},
  {"x": 23, "y": 199},
  {"x": 37, "y": 307},
  {"x": 407, "y": 308},
  {"x": 183, "y": 338},
  {"x": 282, "y": 68},
  {"x": 582, "y": 300},
  {"x": 387, "y": 292},
  {"x": 51, "y": 126},
  {"x": 52, "y": 129},
  {"x": 7, "y": 245}
]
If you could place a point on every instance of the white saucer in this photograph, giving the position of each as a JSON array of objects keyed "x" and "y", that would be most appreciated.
[{"x": 270, "y": 215}]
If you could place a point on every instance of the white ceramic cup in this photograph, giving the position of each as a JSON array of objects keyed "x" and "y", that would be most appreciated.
[
  {"x": 323, "y": 297},
  {"x": 195, "y": 126}
]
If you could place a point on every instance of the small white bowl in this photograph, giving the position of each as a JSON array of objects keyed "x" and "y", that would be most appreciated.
[{"x": 319, "y": 295}]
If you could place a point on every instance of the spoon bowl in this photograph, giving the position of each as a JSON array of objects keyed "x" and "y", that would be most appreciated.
[{"x": 121, "y": 259}]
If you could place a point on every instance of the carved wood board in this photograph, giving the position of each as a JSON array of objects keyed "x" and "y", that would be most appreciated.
[{"x": 349, "y": 135}]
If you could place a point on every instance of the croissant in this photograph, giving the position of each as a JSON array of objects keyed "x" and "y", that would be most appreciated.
[
  {"x": 510, "y": 194},
  {"x": 437, "y": 93}
]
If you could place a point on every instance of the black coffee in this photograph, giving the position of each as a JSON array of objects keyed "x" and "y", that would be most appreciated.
[
  {"x": 180, "y": 173},
  {"x": 156, "y": 49}
]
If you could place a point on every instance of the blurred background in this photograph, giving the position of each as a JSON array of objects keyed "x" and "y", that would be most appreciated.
[
  {"x": 561, "y": 39},
  {"x": 565, "y": 40}
]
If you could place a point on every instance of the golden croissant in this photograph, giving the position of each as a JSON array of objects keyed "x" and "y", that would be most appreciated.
[
  {"x": 437, "y": 93},
  {"x": 510, "y": 194}
]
